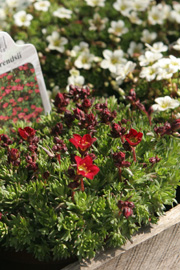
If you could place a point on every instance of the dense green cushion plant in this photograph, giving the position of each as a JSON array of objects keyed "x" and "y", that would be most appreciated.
[{"x": 51, "y": 207}]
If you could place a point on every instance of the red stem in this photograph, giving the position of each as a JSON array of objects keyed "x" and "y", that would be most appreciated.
[
  {"x": 82, "y": 185},
  {"x": 134, "y": 154}
]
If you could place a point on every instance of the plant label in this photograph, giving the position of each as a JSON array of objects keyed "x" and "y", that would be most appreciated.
[{"x": 23, "y": 94}]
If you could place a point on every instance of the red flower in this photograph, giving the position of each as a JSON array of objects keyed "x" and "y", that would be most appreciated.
[
  {"x": 26, "y": 133},
  {"x": 85, "y": 167},
  {"x": 133, "y": 137},
  {"x": 5, "y": 105},
  {"x": 82, "y": 143}
]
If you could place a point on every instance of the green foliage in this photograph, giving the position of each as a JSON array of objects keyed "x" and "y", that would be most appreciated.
[{"x": 43, "y": 216}]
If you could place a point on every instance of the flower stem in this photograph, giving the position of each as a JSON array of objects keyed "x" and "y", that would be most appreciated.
[
  {"x": 134, "y": 154},
  {"x": 119, "y": 174},
  {"x": 82, "y": 185}
]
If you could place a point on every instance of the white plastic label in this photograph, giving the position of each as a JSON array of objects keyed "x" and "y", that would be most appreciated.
[{"x": 21, "y": 81}]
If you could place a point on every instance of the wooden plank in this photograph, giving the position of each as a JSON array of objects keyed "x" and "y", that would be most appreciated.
[{"x": 156, "y": 247}]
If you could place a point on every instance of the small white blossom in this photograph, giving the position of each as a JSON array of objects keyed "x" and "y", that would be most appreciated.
[
  {"x": 42, "y": 5},
  {"x": 123, "y": 6},
  {"x": 112, "y": 60},
  {"x": 135, "y": 48},
  {"x": 123, "y": 70},
  {"x": 174, "y": 63},
  {"x": 157, "y": 47},
  {"x": 77, "y": 49},
  {"x": 97, "y": 23},
  {"x": 149, "y": 58},
  {"x": 20, "y": 42},
  {"x": 140, "y": 5},
  {"x": 22, "y": 18},
  {"x": 118, "y": 28},
  {"x": 155, "y": 15},
  {"x": 75, "y": 78},
  {"x": 148, "y": 37},
  {"x": 133, "y": 17},
  {"x": 149, "y": 72},
  {"x": 56, "y": 42},
  {"x": 2, "y": 14},
  {"x": 175, "y": 14},
  {"x": 95, "y": 3},
  {"x": 165, "y": 69},
  {"x": 165, "y": 103},
  {"x": 12, "y": 3},
  {"x": 63, "y": 13},
  {"x": 177, "y": 45},
  {"x": 84, "y": 60}
]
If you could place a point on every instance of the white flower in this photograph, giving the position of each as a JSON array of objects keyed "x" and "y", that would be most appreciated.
[
  {"x": 157, "y": 47},
  {"x": 155, "y": 15},
  {"x": 62, "y": 13},
  {"x": 165, "y": 69},
  {"x": 177, "y": 45},
  {"x": 148, "y": 37},
  {"x": 174, "y": 63},
  {"x": 2, "y": 14},
  {"x": 165, "y": 103},
  {"x": 95, "y": 3},
  {"x": 56, "y": 42},
  {"x": 123, "y": 6},
  {"x": 84, "y": 60},
  {"x": 12, "y": 3},
  {"x": 22, "y": 18},
  {"x": 123, "y": 70},
  {"x": 133, "y": 17},
  {"x": 42, "y": 5},
  {"x": 77, "y": 49},
  {"x": 118, "y": 28},
  {"x": 175, "y": 14},
  {"x": 149, "y": 58},
  {"x": 135, "y": 48},
  {"x": 149, "y": 73},
  {"x": 97, "y": 23},
  {"x": 140, "y": 5},
  {"x": 112, "y": 60},
  {"x": 20, "y": 42},
  {"x": 75, "y": 78}
]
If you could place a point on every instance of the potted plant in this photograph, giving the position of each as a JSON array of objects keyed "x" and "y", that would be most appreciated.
[{"x": 88, "y": 175}]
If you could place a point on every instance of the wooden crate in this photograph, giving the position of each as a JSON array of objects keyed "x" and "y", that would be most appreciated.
[{"x": 156, "y": 247}]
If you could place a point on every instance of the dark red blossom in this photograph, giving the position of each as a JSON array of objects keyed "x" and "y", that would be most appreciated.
[
  {"x": 126, "y": 208},
  {"x": 82, "y": 143},
  {"x": 175, "y": 125},
  {"x": 133, "y": 137},
  {"x": 107, "y": 116},
  {"x": 154, "y": 160},
  {"x": 57, "y": 130},
  {"x": 76, "y": 92},
  {"x": 68, "y": 118},
  {"x": 13, "y": 156},
  {"x": 85, "y": 105},
  {"x": 85, "y": 167},
  {"x": 5, "y": 140},
  {"x": 46, "y": 175},
  {"x": 26, "y": 133},
  {"x": 61, "y": 102},
  {"x": 165, "y": 129},
  {"x": 116, "y": 130}
]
